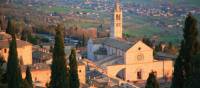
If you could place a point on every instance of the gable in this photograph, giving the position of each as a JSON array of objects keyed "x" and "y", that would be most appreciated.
[
  {"x": 140, "y": 46},
  {"x": 139, "y": 53}
]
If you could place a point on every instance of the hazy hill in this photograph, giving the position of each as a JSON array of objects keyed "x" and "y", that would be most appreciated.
[{"x": 173, "y": 2}]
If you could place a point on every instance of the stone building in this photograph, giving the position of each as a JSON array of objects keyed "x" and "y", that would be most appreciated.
[
  {"x": 24, "y": 49},
  {"x": 130, "y": 61},
  {"x": 41, "y": 74}
]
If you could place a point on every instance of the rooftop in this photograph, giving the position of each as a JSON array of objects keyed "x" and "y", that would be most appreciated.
[
  {"x": 20, "y": 43},
  {"x": 5, "y": 40},
  {"x": 116, "y": 43}
]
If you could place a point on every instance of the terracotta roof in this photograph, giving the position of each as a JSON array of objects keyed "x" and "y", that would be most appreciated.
[{"x": 20, "y": 43}]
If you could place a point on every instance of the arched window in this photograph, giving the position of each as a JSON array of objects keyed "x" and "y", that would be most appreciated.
[
  {"x": 139, "y": 74},
  {"x": 5, "y": 50},
  {"x": 118, "y": 17}
]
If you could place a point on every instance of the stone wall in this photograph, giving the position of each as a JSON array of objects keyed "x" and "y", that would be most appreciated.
[
  {"x": 43, "y": 75},
  {"x": 24, "y": 53}
]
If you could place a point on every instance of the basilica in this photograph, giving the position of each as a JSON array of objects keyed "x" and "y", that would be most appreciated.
[{"x": 130, "y": 61}]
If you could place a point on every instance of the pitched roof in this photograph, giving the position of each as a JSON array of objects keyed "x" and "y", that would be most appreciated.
[
  {"x": 20, "y": 43},
  {"x": 98, "y": 40},
  {"x": 117, "y": 43}
]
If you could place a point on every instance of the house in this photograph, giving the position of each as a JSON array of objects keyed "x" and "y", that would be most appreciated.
[{"x": 24, "y": 49}]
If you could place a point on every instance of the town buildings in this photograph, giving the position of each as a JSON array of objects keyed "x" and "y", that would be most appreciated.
[
  {"x": 24, "y": 49},
  {"x": 41, "y": 74},
  {"x": 130, "y": 61}
]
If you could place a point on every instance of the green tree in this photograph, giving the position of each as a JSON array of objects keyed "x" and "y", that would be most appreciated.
[
  {"x": 189, "y": 48},
  {"x": 28, "y": 77},
  {"x": 152, "y": 81},
  {"x": 10, "y": 27},
  {"x": 14, "y": 77},
  {"x": 24, "y": 35},
  {"x": 58, "y": 68},
  {"x": 83, "y": 40},
  {"x": 194, "y": 78},
  {"x": 25, "y": 84},
  {"x": 73, "y": 77}
]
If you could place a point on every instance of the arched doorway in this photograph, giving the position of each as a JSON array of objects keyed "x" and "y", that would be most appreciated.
[{"x": 121, "y": 74}]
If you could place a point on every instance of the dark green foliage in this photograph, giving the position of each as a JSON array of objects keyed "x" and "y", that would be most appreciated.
[
  {"x": 194, "y": 79},
  {"x": 45, "y": 40},
  {"x": 83, "y": 40},
  {"x": 25, "y": 84},
  {"x": 2, "y": 60},
  {"x": 1, "y": 23},
  {"x": 24, "y": 35},
  {"x": 178, "y": 77},
  {"x": 147, "y": 41},
  {"x": 58, "y": 67},
  {"x": 74, "y": 80},
  {"x": 190, "y": 42},
  {"x": 1, "y": 75},
  {"x": 32, "y": 39},
  {"x": 14, "y": 77},
  {"x": 152, "y": 81},
  {"x": 28, "y": 77},
  {"x": 189, "y": 48},
  {"x": 158, "y": 48},
  {"x": 10, "y": 27}
]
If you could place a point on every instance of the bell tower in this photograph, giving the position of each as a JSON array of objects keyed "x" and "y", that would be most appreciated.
[{"x": 116, "y": 29}]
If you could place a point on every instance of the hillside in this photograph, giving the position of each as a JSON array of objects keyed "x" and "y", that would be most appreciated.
[
  {"x": 194, "y": 3},
  {"x": 163, "y": 19}
]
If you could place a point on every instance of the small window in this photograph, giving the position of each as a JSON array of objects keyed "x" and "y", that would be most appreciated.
[
  {"x": 118, "y": 17},
  {"x": 139, "y": 48},
  {"x": 5, "y": 50}
]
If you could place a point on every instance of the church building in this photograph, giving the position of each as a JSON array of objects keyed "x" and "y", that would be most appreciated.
[{"x": 130, "y": 61}]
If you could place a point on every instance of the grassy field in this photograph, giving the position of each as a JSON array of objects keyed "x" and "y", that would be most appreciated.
[
  {"x": 135, "y": 26},
  {"x": 60, "y": 9},
  {"x": 155, "y": 2}
]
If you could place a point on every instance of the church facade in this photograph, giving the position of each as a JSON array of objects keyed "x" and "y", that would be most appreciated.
[{"x": 130, "y": 61}]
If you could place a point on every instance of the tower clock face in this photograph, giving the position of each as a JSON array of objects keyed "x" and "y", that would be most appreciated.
[{"x": 140, "y": 57}]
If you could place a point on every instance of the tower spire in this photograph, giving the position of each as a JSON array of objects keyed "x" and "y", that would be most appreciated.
[
  {"x": 117, "y": 5},
  {"x": 116, "y": 30}
]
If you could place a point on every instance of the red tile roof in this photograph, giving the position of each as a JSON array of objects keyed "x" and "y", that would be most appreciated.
[{"x": 20, "y": 43}]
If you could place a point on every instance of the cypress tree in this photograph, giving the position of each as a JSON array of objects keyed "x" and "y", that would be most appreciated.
[
  {"x": 10, "y": 27},
  {"x": 73, "y": 78},
  {"x": 28, "y": 77},
  {"x": 191, "y": 42},
  {"x": 152, "y": 81},
  {"x": 13, "y": 68},
  {"x": 189, "y": 48},
  {"x": 58, "y": 67},
  {"x": 83, "y": 40},
  {"x": 194, "y": 78}
]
